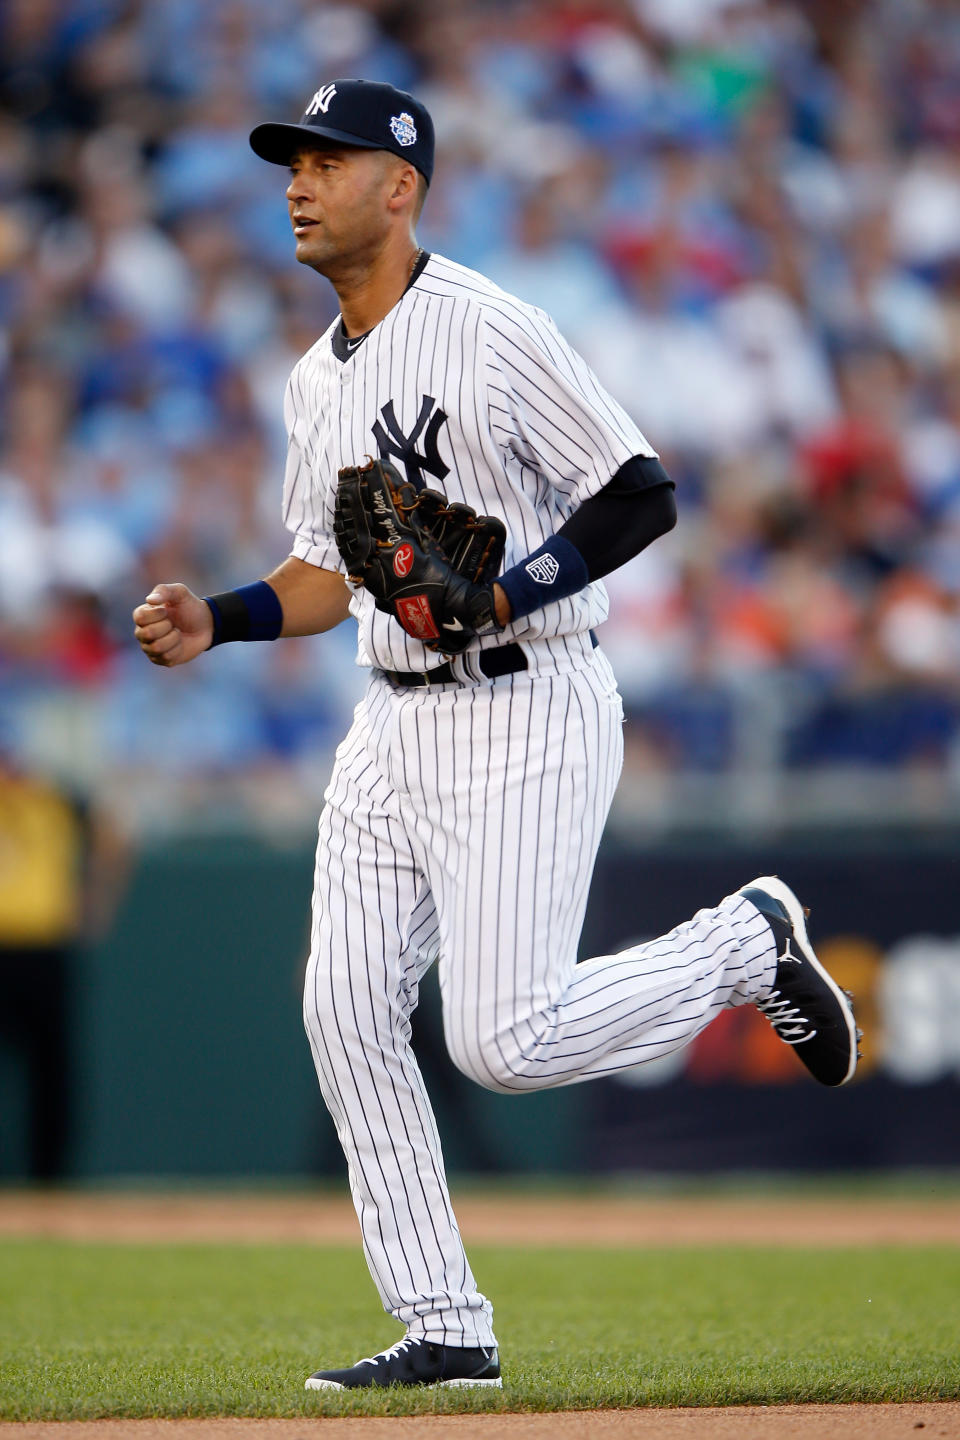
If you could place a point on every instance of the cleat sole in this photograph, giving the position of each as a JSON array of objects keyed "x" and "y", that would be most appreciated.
[
  {"x": 497, "y": 1384},
  {"x": 471, "y": 1384}
]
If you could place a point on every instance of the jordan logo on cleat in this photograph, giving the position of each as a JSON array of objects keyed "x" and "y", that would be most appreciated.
[{"x": 789, "y": 955}]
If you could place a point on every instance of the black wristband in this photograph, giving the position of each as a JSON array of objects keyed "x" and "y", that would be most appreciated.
[{"x": 253, "y": 612}]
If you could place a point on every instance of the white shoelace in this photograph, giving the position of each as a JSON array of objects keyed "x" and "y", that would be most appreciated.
[
  {"x": 786, "y": 1019},
  {"x": 396, "y": 1349}
]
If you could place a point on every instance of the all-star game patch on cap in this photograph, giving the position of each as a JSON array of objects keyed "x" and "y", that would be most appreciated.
[{"x": 365, "y": 113}]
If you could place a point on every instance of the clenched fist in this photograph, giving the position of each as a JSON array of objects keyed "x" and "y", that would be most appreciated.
[{"x": 173, "y": 626}]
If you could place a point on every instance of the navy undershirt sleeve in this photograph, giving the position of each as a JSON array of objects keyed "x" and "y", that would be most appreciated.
[
  {"x": 624, "y": 517},
  {"x": 603, "y": 534}
]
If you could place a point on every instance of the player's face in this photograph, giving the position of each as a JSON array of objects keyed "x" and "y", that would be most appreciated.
[{"x": 337, "y": 201}]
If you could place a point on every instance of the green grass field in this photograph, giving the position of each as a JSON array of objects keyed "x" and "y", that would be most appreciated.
[{"x": 127, "y": 1330}]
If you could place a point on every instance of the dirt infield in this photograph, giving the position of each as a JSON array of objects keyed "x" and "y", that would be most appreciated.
[
  {"x": 507, "y": 1218},
  {"x": 769, "y": 1422},
  {"x": 504, "y": 1218}
]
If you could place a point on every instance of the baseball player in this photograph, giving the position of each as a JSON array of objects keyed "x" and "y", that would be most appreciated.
[{"x": 458, "y": 482}]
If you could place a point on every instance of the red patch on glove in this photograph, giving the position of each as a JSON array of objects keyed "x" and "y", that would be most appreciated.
[{"x": 415, "y": 616}]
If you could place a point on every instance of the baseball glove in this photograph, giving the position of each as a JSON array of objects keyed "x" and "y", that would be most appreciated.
[{"x": 428, "y": 563}]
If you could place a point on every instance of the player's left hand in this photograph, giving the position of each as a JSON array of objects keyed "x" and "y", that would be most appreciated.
[{"x": 389, "y": 547}]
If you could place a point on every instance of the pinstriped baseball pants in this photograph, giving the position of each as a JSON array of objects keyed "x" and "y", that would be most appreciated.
[{"x": 461, "y": 825}]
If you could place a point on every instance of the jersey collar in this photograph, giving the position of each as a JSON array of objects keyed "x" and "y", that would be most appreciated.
[{"x": 343, "y": 348}]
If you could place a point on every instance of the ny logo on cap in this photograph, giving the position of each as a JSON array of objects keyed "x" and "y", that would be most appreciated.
[{"x": 321, "y": 101}]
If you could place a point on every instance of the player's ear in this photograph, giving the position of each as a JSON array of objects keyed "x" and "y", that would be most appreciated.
[{"x": 404, "y": 185}]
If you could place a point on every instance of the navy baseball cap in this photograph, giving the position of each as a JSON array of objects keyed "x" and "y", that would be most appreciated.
[{"x": 365, "y": 113}]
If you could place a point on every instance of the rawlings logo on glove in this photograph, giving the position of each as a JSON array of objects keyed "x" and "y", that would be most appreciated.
[{"x": 428, "y": 563}]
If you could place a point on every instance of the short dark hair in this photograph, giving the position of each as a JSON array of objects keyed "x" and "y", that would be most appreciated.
[
  {"x": 423, "y": 185},
  {"x": 421, "y": 200}
]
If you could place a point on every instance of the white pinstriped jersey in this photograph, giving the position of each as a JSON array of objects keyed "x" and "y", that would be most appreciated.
[
  {"x": 474, "y": 393},
  {"x": 462, "y": 820}
]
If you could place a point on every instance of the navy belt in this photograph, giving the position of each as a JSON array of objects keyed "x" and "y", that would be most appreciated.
[
  {"x": 499, "y": 660},
  {"x": 502, "y": 660}
]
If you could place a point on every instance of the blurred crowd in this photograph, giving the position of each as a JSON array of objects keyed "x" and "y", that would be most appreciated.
[{"x": 744, "y": 213}]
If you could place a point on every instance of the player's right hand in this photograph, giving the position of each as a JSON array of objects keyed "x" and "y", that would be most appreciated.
[{"x": 173, "y": 626}]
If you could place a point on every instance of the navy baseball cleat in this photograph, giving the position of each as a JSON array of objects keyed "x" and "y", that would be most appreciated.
[
  {"x": 416, "y": 1362},
  {"x": 806, "y": 1007}
]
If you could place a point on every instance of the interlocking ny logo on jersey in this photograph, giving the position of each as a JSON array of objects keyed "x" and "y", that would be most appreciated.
[
  {"x": 391, "y": 441},
  {"x": 321, "y": 101}
]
